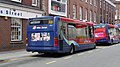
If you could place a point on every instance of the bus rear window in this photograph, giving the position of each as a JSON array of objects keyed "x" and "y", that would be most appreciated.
[
  {"x": 98, "y": 26},
  {"x": 38, "y": 22}
]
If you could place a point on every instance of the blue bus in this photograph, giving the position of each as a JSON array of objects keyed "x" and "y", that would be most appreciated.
[
  {"x": 106, "y": 33},
  {"x": 54, "y": 34}
]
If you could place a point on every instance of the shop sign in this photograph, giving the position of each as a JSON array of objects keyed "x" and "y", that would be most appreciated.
[{"x": 17, "y": 13}]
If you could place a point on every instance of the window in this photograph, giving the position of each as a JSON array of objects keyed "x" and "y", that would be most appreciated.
[
  {"x": 100, "y": 3},
  {"x": 34, "y": 2},
  {"x": 81, "y": 12},
  {"x": 71, "y": 31},
  {"x": 16, "y": 29},
  {"x": 86, "y": 14},
  {"x": 86, "y": 1},
  {"x": 90, "y": 32},
  {"x": 119, "y": 13},
  {"x": 95, "y": 2},
  {"x": 104, "y": 4},
  {"x": 17, "y": 0},
  {"x": 91, "y": 2},
  {"x": 64, "y": 1},
  {"x": 81, "y": 0},
  {"x": 81, "y": 32},
  {"x": 74, "y": 32},
  {"x": 94, "y": 17},
  {"x": 64, "y": 29},
  {"x": 90, "y": 16},
  {"x": 74, "y": 11}
]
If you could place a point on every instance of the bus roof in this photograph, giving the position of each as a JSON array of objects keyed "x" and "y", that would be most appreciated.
[
  {"x": 90, "y": 23},
  {"x": 109, "y": 25},
  {"x": 118, "y": 25},
  {"x": 114, "y": 26},
  {"x": 76, "y": 21}
]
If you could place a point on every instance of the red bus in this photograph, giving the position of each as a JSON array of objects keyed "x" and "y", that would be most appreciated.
[
  {"x": 106, "y": 33},
  {"x": 54, "y": 34}
]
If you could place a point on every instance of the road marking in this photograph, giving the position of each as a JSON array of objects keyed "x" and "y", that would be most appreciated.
[
  {"x": 90, "y": 51},
  {"x": 97, "y": 49},
  {"x": 80, "y": 54},
  {"x": 68, "y": 57},
  {"x": 4, "y": 61},
  {"x": 14, "y": 59},
  {"x": 51, "y": 62}
]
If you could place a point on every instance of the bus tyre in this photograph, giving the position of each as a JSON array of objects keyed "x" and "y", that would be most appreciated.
[
  {"x": 111, "y": 42},
  {"x": 71, "y": 49},
  {"x": 94, "y": 46}
]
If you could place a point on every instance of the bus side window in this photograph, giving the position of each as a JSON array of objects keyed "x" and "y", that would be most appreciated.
[
  {"x": 89, "y": 32},
  {"x": 64, "y": 29},
  {"x": 71, "y": 31}
]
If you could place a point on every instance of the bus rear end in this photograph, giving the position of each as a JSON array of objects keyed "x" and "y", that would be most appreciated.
[
  {"x": 101, "y": 35},
  {"x": 41, "y": 36}
]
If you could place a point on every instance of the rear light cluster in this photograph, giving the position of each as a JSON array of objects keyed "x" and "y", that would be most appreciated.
[
  {"x": 55, "y": 41},
  {"x": 26, "y": 41},
  {"x": 107, "y": 37}
]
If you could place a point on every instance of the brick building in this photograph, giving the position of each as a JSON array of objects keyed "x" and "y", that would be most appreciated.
[
  {"x": 106, "y": 11},
  {"x": 14, "y": 15},
  {"x": 97, "y": 11},
  {"x": 76, "y": 9},
  {"x": 13, "y": 20},
  {"x": 85, "y": 10},
  {"x": 117, "y": 12}
]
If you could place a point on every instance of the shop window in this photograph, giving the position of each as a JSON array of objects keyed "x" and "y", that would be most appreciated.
[
  {"x": 17, "y": 0},
  {"x": 16, "y": 29},
  {"x": 34, "y": 2}
]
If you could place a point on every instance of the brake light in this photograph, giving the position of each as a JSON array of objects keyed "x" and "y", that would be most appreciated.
[
  {"x": 55, "y": 41},
  {"x": 107, "y": 37},
  {"x": 26, "y": 41}
]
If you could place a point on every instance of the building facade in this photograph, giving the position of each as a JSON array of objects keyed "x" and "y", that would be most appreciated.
[
  {"x": 13, "y": 20},
  {"x": 97, "y": 11},
  {"x": 15, "y": 13},
  {"x": 84, "y": 10},
  {"x": 117, "y": 12},
  {"x": 106, "y": 11}
]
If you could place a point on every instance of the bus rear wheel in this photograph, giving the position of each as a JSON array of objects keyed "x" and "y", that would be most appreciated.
[
  {"x": 111, "y": 42},
  {"x": 71, "y": 49}
]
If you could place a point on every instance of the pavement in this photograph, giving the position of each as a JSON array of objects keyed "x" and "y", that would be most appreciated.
[{"x": 15, "y": 54}]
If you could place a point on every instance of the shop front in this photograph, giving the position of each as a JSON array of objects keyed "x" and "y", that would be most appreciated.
[{"x": 13, "y": 21}]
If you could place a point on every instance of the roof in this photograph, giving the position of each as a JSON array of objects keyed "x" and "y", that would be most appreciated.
[
  {"x": 118, "y": 25},
  {"x": 76, "y": 21}
]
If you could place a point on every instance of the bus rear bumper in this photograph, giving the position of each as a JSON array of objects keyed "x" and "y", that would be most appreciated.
[
  {"x": 43, "y": 49},
  {"x": 102, "y": 41}
]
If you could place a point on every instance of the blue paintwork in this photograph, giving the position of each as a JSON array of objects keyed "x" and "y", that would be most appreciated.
[
  {"x": 48, "y": 46},
  {"x": 104, "y": 40}
]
